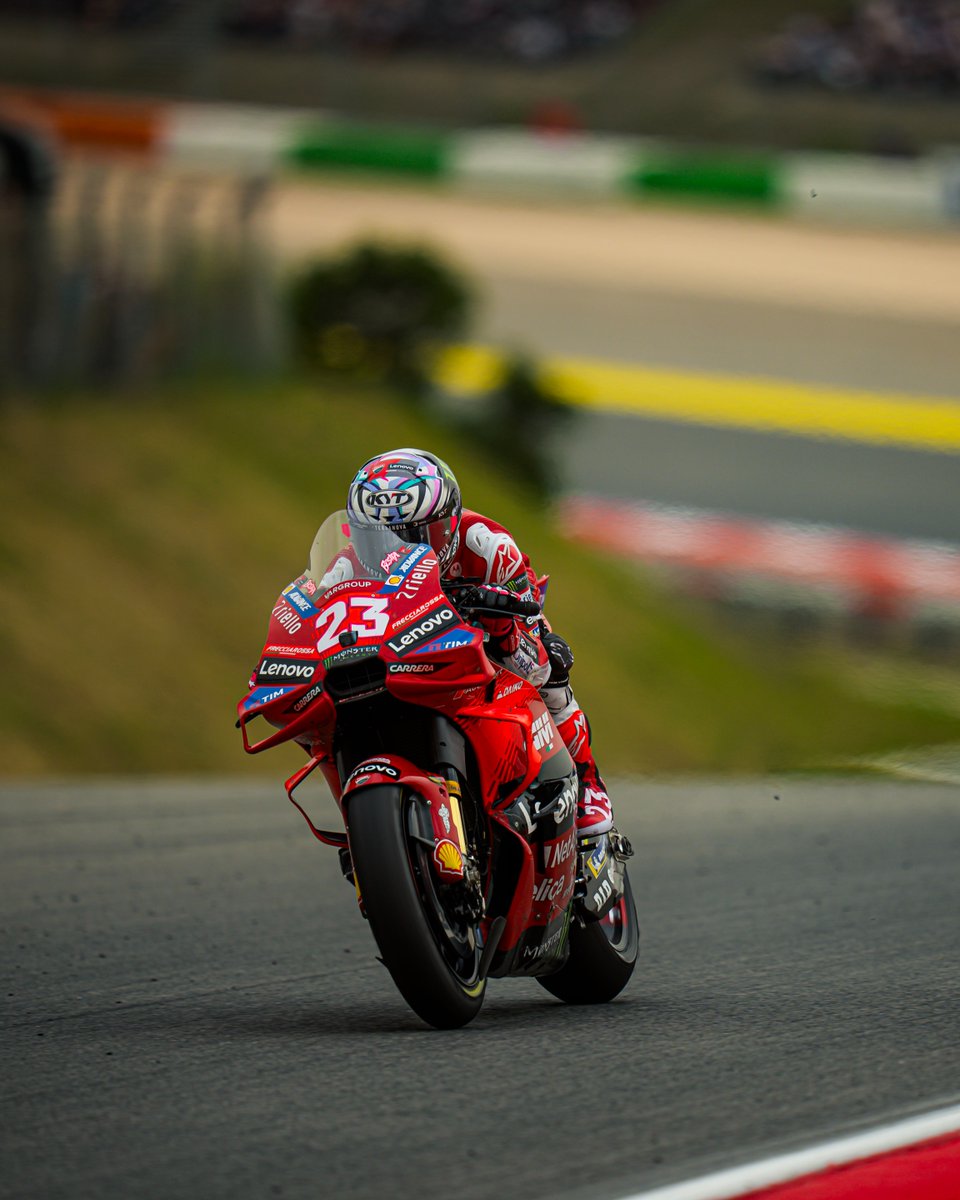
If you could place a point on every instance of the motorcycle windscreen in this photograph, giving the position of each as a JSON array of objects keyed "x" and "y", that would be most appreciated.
[{"x": 342, "y": 552}]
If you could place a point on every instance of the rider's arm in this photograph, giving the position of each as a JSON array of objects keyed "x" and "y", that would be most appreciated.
[{"x": 515, "y": 640}]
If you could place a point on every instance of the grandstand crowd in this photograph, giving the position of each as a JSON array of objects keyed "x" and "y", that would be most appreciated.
[
  {"x": 531, "y": 31},
  {"x": 882, "y": 45}
]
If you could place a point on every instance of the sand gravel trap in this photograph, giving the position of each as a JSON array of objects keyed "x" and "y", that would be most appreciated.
[{"x": 770, "y": 259}]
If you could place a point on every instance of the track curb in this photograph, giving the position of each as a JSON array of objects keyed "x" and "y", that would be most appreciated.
[{"x": 825, "y": 186}]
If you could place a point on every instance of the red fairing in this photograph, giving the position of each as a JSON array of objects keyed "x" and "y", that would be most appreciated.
[
  {"x": 392, "y": 769},
  {"x": 347, "y": 670}
]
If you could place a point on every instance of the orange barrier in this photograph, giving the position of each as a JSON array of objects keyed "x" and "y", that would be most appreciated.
[{"x": 91, "y": 121}]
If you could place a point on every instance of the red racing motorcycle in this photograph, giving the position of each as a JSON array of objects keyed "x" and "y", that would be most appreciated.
[{"x": 457, "y": 794}]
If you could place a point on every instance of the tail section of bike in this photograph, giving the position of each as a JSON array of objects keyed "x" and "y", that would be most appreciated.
[{"x": 604, "y": 934}]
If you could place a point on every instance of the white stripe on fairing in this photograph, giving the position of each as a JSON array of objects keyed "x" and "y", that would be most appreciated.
[{"x": 725, "y": 1185}]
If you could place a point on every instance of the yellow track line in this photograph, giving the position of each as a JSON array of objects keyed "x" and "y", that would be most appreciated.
[{"x": 884, "y": 418}]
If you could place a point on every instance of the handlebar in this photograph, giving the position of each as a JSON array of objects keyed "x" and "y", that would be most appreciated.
[{"x": 495, "y": 601}]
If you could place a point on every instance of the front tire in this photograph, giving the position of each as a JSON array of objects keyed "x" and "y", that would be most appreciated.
[
  {"x": 432, "y": 953},
  {"x": 602, "y": 955}
]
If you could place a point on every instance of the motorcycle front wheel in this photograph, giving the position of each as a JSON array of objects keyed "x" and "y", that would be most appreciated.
[
  {"x": 428, "y": 944},
  {"x": 602, "y": 955}
]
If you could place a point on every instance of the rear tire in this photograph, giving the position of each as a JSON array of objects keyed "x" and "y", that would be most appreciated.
[
  {"x": 432, "y": 954},
  {"x": 602, "y": 955}
]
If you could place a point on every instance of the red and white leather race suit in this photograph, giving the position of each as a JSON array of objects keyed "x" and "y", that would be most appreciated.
[{"x": 486, "y": 553}]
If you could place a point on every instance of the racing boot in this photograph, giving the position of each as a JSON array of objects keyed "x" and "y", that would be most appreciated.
[{"x": 594, "y": 810}]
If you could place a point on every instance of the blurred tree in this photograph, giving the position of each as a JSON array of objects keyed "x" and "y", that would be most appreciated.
[
  {"x": 519, "y": 424},
  {"x": 378, "y": 313}
]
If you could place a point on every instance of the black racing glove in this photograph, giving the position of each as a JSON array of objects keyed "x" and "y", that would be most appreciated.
[
  {"x": 497, "y": 601},
  {"x": 560, "y": 656}
]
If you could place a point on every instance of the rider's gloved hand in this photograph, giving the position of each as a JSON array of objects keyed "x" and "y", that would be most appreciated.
[{"x": 560, "y": 656}]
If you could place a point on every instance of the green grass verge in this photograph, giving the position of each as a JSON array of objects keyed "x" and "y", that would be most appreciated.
[{"x": 145, "y": 543}]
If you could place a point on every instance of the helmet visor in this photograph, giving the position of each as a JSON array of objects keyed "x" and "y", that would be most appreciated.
[
  {"x": 437, "y": 534},
  {"x": 374, "y": 543}
]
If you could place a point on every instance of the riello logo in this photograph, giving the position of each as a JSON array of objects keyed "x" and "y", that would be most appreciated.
[{"x": 435, "y": 623}]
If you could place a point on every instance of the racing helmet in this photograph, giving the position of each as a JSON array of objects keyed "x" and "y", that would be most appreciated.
[{"x": 413, "y": 494}]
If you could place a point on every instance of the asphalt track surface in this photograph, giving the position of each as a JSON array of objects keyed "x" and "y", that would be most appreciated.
[{"x": 193, "y": 1007}]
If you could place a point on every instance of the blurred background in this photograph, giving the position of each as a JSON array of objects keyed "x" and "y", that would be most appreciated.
[{"x": 672, "y": 284}]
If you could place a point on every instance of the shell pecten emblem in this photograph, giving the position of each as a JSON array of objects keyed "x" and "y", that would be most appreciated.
[{"x": 448, "y": 858}]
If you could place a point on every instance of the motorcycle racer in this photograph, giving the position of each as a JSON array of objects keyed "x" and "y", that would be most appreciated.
[{"x": 416, "y": 495}]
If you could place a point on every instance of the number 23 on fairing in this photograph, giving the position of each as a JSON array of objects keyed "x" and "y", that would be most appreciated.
[{"x": 370, "y": 619}]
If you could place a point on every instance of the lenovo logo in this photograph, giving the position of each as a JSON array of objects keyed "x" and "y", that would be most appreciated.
[
  {"x": 289, "y": 670},
  {"x": 430, "y": 626}
]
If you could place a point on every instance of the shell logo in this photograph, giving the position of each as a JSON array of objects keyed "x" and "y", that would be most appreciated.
[{"x": 448, "y": 857}]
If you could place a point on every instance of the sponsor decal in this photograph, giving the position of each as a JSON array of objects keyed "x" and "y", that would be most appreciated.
[
  {"x": 604, "y": 892},
  {"x": 452, "y": 642},
  {"x": 523, "y": 663},
  {"x": 412, "y": 668},
  {"x": 581, "y": 736},
  {"x": 285, "y": 670},
  {"x": 263, "y": 695},
  {"x": 432, "y": 624},
  {"x": 559, "y": 852},
  {"x": 391, "y": 558},
  {"x": 507, "y": 561},
  {"x": 308, "y": 650},
  {"x": 542, "y": 731},
  {"x": 286, "y": 617},
  {"x": 519, "y": 585},
  {"x": 510, "y": 689},
  {"x": 597, "y": 859},
  {"x": 413, "y": 614},
  {"x": 564, "y": 803},
  {"x": 520, "y": 811},
  {"x": 298, "y": 600},
  {"x": 306, "y": 585},
  {"x": 448, "y": 857},
  {"x": 350, "y": 585},
  {"x": 568, "y": 801},
  {"x": 373, "y": 768},
  {"x": 547, "y": 946},
  {"x": 309, "y": 698},
  {"x": 406, "y": 569},
  {"x": 463, "y": 693},
  {"x": 416, "y": 579},
  {"x": 550, "y": 891},
  {"x": 348, "y": 655},
  {"x": 528, "y": 645},
  {"x": 444, "y": 814}
]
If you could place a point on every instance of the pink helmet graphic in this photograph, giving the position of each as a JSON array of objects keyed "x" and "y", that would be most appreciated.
[{"x": 411, "y": 492}]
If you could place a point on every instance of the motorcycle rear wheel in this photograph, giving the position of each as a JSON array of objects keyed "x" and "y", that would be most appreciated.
[
  {"x": 602, "y": 955},
  {"x": 431, "y": 951}
]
